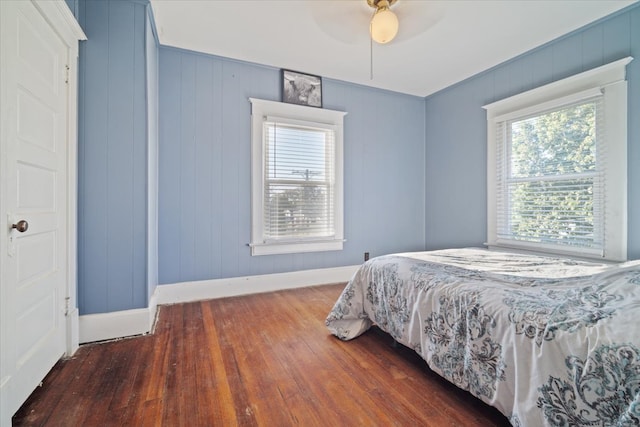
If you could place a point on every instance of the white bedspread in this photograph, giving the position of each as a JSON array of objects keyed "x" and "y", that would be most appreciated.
[{"x": 547, "y": 341}]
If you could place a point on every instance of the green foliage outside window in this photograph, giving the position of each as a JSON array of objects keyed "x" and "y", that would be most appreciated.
[{"x": 552, "y": 176}]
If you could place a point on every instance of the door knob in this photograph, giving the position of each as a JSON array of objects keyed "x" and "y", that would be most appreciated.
[{"x": 21, "y": 226}]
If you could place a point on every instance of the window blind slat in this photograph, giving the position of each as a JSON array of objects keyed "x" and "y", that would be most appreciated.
[
  {"x": 299, "y": 179},
  {"x": 549, "y": 176}
]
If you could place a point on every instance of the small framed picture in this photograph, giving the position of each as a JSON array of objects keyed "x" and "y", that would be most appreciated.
[{"x": 303, "y": 89}]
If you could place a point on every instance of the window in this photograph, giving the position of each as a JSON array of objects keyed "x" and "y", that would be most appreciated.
[
  {"x": 296, "y": 178},
  {"x": 557, "y": 166}
]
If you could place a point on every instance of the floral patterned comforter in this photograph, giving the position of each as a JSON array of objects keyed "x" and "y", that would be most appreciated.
[{"x": 547, "y": 341}]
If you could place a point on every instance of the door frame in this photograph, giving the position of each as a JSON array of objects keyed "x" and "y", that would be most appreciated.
[{"x": 63, "y": 21}]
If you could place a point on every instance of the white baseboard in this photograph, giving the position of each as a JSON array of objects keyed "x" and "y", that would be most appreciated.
[
  {"x": 119, "y": 324},
  {"x": 219, "y": 288}
]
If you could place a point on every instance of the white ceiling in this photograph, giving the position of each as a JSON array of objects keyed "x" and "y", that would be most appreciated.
[{"x": 439, "y": 42}]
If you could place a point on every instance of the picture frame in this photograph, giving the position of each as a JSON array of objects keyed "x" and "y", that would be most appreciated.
[{"x": 300, "y": 88}]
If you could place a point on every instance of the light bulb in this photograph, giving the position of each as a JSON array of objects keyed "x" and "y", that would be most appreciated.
[{"x": 384, "y": 26}]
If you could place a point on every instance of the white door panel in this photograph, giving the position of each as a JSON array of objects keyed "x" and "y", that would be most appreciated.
[
  {"x": 33, "y": 260},
  {"x": 36, "y": 187},
  {"x": 38, "y": 125},
  {"x": 39, "y": 60}
]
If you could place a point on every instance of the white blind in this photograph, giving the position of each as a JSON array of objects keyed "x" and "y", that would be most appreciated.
[
  {"x": 299, "y": 181},
  {"x": 550, "y": 177}
]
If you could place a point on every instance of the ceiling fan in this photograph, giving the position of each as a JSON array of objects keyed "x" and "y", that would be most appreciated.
[
  {"x": 350, "y": 21},
  {"x": 347, "y": 21}
]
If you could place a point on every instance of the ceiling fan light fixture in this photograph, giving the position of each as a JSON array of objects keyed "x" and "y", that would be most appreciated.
[{"x": 384, "y": 24}]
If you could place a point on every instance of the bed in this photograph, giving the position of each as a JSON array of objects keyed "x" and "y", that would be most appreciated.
[{"x": 547, "y": 341}]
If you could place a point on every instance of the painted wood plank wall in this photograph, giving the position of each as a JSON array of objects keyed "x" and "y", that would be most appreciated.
[
  {"x": 112, "y": 150},
  {"x": 204, "y": 182},
  {"x": 456, "y": 127}
]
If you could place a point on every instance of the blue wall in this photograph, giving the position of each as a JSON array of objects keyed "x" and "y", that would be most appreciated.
[
  {"x": 401, "y": 193},
  {"x": 204, "y": 182},
  {"x": 112, "y": 157},
  {"x": 456, "y": 127}
]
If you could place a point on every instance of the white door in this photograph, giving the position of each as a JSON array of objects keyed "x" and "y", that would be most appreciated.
[{"x": 34, "y": 201}]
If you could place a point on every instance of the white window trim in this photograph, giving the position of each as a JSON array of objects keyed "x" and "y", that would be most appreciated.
[
  {"x": 610, "y": 80},
  {"x": 292, "y": 112}
]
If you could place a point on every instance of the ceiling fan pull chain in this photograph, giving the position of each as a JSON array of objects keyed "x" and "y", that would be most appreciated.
[
  {"x": 371, "y": 48},
  {"x": 371, "y": 58}
]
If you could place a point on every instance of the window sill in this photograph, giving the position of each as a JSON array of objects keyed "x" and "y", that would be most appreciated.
[
  {"x": 272, "y": 248},
  {"x": 553, "y": 250}
]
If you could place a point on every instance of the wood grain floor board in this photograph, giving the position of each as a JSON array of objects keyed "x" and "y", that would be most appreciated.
[
  {"x": 256, "y": 360},
  {"x": 220, "y": 396}
]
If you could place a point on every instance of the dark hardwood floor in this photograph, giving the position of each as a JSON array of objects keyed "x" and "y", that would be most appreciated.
[{"x": 263, "y": 360}]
